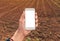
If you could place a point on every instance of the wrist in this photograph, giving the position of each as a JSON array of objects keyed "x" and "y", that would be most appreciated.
[{"x": 18, "y": 36}]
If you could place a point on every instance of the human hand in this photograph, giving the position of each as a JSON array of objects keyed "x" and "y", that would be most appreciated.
[
  {"x": 22, "y": 24},
  {"x": 21, "y": 32}
]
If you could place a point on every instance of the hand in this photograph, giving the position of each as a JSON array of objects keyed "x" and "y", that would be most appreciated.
[
  {"x": 21, "y": 32},
  {"x": 22, "y": 24}
]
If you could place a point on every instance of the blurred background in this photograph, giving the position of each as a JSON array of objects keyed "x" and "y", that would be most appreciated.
[{"x": 48, "y": 16}]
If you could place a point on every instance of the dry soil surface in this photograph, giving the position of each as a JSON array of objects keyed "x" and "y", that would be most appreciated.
[{"x": 48, "y": 15}]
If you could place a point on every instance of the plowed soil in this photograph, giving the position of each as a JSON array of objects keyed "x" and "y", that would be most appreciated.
[{"x": 48, "y": 16}]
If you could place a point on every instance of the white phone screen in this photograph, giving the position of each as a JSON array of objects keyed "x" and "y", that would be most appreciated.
[{"x": 30, "y": 19}]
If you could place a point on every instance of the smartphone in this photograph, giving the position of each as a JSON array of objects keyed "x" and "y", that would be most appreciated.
[{"x": 30, "y": 18}]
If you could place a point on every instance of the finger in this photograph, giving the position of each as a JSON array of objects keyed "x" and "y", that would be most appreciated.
[
  {"x": 28, "y": 31},
  {"x": 23, "y": 15},
  {"x": 36, "y": 24},
  {"x": 36, "y": 16},
  {"x": 36, "y": 19},
  {"x": 36, "y": 13}
]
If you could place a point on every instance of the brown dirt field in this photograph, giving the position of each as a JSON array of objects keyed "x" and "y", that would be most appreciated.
[{"x": 48, "y": 16}]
